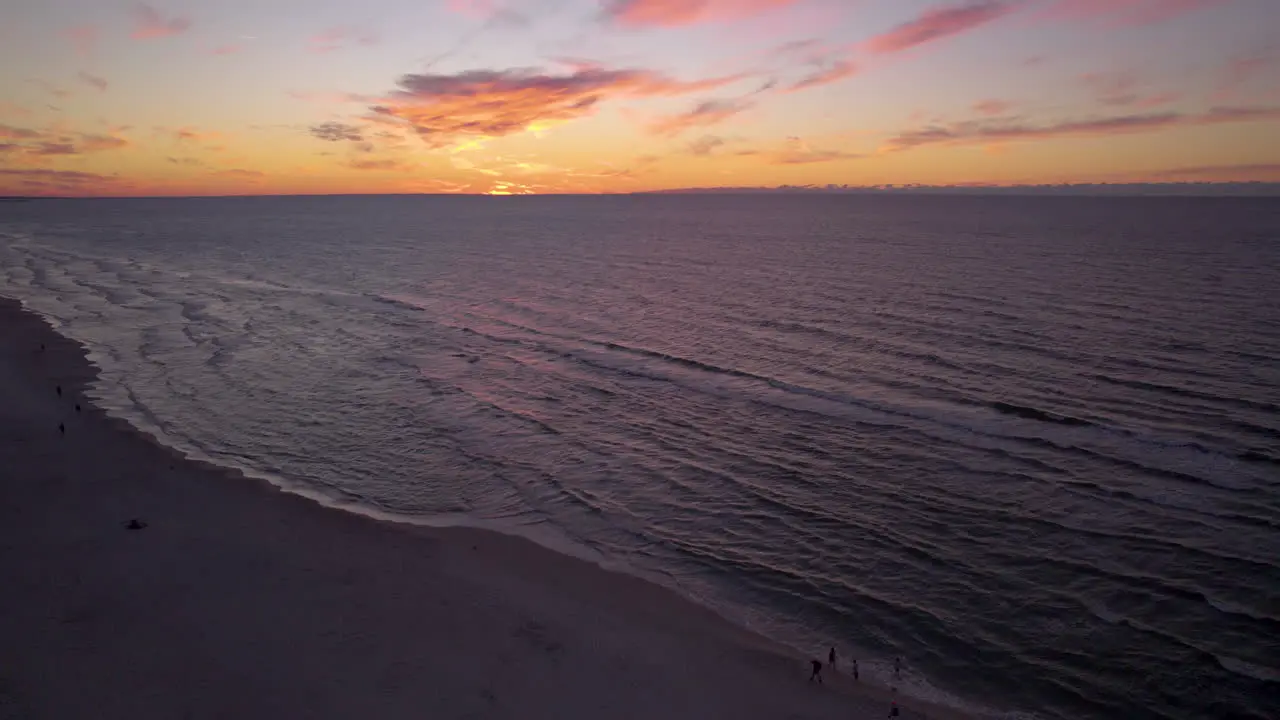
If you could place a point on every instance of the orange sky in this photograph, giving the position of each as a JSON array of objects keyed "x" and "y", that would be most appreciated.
[{"x": 535, "y": 96}]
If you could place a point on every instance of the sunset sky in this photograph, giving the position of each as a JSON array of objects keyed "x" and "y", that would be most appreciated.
[{"x": 177, "y": 97}]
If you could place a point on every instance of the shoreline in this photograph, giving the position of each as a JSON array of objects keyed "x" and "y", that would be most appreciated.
[{"x": 242, "y": 597}]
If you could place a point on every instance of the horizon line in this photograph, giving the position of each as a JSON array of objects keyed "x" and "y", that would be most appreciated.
[{"x": 1080, "y": 188}]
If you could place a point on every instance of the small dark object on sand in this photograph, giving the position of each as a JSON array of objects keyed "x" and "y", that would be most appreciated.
[
  {"x": 59, "y": 389},
  {"x": 62, "y": 428},
  {"x": 41, "y": 347},
  {"x": 77, "y": 407},
  {"x": 135, "y": 524}
]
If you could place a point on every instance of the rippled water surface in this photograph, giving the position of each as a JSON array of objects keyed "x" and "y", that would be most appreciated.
[{"x": 1031, "y": 445}]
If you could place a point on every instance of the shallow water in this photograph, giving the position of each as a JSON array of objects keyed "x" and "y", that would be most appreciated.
[{"x": 1031, "y": 445}]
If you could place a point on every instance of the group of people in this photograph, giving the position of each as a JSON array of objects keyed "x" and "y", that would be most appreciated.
[{"x": 816, "y": 675}]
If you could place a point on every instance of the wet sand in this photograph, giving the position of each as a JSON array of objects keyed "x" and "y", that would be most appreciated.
[{"x": 240, "y": 600}]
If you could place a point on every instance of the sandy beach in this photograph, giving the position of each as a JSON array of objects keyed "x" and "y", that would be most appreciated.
[{"x": 240, "y": 600}]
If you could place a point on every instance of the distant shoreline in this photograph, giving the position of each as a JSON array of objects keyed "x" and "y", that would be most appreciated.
[{"x": 1077, "y": 190}]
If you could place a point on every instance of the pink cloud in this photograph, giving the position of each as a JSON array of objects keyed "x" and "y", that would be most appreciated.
[
  {"x": 472, "y": 8},
  {"x": 150, "y": 23},
  {"x": 230, "y": 49},
  {"x": 93, "y": 80},
  {"x": 834, "y": 72},
  {"x": 1241, "y": 71},
  {"x": 676, "y": 13},
  {"x": 338, "y": 38},
  {"x": 84, "y": 37},
  {"x": 479, "y": 104},
  {"x": 991, "y": 107},
  {"x": 704, "y": 114},
  {"x": 983, "y": 132},
  {"x": 1126, "y": 12},
  {"x": 940, "y": 23}
]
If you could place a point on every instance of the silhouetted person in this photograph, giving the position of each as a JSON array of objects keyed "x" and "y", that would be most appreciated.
[
  {"x": 59, "y": 389},
  {"x": 897, "y": 668},
  {"x": 817, "y": 671},
  {"x": 893, "y": 710},
  {"x": 62, "y": 428},
  {"x": 855, "y": 669},
  {"x": 77, "y": 407},
  {"x": 831, "y": 659},
  {"x": 41, "y": 347}
]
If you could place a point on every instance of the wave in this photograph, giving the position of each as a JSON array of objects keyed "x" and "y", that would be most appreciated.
[
  {"x": 1265, "y": 407},
  {"x": 1255, "y": 456},
  {"x": 1248, "y": 669},
  {"x": 1031, "y": 413}
]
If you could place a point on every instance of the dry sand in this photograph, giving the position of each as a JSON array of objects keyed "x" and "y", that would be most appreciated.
[{"x": 242, "y": 601}]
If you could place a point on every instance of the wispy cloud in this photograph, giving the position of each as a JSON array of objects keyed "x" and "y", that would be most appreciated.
[
  {"x": 825, "y": 74},
  {"x": 54, "y": 90},
  {"x": 44, "y": 179},
  {"x": 991, "y": 107},
  {"x": 704, "y": 114},
  {"x": 480, "y": 104},
  {"x": 12, "y": 110},
  {"x": 940, "y": 23},
  {"x": 330, "y": 98},
  {"x": 84, "y": 38},
  {"x": 1125, "y": 12},
  {"x": 8, "y": 132},
  {"x": 340, "y": 37},
  {"x": 1122, "y": 89},
  {"x": 96, "y": 143},
  {"x": 383, "y": 164},
  {"x": 150, "y": 23},
  {"x": 228, "y": 49},
  {"x": 473, "y": 8},
  {"x": 798, "y": 152},
  {"x": 706, "y": 145},
  {"x": 1220, "y": 171},
  {"x": 189, "y": 134},
  {"x": 239, "y": 173},
  {"x": 337, "y": 132},
  {"x": 35, "y": 145},
  {"x": 1011, "y": 130},
  {"x": 676, "y": 13},
  {"x": 1241, "y": 70},
  {"x": 92, "y": 80}
]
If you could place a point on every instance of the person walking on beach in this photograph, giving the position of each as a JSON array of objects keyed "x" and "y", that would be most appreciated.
[
  {"x": 817, "y": 671},
  {"x": 831, "y": 659},
  {"x": 855, "y": 669},
  {"x": 897, "y": 668},
  {"x": 893, "y": 709}
]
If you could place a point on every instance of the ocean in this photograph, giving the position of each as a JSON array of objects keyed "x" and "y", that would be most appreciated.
[{"x": 1031, "y": 445}]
